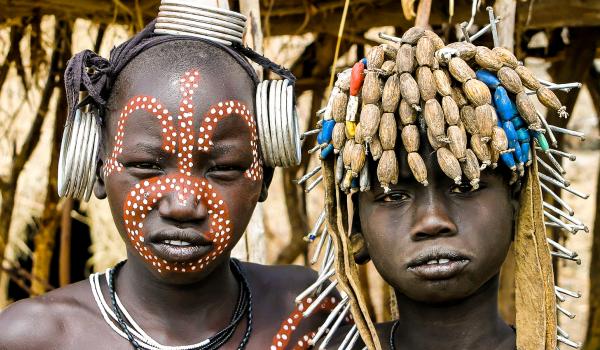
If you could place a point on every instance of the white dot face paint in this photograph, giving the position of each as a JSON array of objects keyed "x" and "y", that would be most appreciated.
[{"x": 178, "y": 138}]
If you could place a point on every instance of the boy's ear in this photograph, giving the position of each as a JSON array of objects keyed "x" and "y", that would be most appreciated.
[
  {"x": 357, "y": 239},
  {"x": 514, "y": 201},
  {"x": 267, "y": 178},
  {"x": 359, "y": 248},
  {"x": 99, "y": 187}
]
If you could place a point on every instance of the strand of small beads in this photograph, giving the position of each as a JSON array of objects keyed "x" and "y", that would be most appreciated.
[{"x": 243, "y": 308}]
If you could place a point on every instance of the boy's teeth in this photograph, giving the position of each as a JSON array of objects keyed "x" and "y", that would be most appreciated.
[
  {"x": 177, "y": 243},
  {"x": 439, "y": 261}
]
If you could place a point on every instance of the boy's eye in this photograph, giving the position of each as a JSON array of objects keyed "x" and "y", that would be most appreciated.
[
  {"x": 464, "y": 187},
  {"x": 394, "y": 197}
]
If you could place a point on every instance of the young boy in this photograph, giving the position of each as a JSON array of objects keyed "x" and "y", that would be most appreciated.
[
  {"x": 449, "y": 181},
  {"x": 181, "y": 169}
]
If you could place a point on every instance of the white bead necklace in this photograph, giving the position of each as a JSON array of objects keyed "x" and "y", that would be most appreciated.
[{"x": 144, "y": 340}]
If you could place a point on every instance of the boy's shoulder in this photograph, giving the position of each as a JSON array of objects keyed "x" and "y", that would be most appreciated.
[{"x": 42, "y": 322}]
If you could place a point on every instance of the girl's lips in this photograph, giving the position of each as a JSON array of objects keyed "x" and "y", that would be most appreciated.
[
  {"x": 179, "y": 245},
  {"x": 170, "y": 252},
  {"x": 439, "y": 269}
]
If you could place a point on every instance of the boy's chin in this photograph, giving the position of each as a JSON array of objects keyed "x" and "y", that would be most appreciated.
[{"x": 439, "y": 292}]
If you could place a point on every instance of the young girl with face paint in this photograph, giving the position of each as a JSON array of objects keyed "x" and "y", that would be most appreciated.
[
  {"x": 435, "y": 176},
  {"x": 181, "y": 168}
]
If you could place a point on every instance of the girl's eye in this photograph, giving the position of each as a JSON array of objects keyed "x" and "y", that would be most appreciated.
[
  {"x": 463, "y": 188},
  {"x": 394, "y": 197},
  {"x": 144, "y": 166},
  {"x": 226, "y": 168}
]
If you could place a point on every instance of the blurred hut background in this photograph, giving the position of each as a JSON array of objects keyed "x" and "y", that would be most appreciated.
[{"x": 47, "y": 242}]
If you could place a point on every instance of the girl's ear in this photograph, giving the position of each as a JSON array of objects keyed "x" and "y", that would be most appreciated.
[
  {"x": 267, "y": 178},
  {"x": 99, "y": 187}
]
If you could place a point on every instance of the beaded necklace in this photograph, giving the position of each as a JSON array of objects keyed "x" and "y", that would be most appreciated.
[{"x": 130, "y": 330}]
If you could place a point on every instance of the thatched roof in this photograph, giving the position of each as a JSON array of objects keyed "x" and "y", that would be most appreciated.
[{"x": 300, "y": 16}]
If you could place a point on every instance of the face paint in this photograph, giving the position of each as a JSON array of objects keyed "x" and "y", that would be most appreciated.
[{"x": 178, "y": 137}]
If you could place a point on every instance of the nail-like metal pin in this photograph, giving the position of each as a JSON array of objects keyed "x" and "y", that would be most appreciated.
[
  {"x": 352, "y": 341},
  {"x": 327, "y": 256},
  {"x": 330, "y": 318},
  {"x": 308, "y": 133},
  {"x": 560, "y": 153},
  {"x": 566, "y": 257},
  {"x": 314, "y": 286},
  {"x": 557, "y": 199},
  {"x": 313, "y": 233},
  {"x": 560, "y": 247},
  {"x": 567, "y": 292},
  {"x": 490, "y": 11},
  {"x": 324, "y": 236},
  {"x": 568, "y": 342},
  {"x": 558, "y": 222},
  {"x": 314, "y": 149},
  {"x": 483, "y": 30},
  {"x": 563, "y": 186},
  {"x": 389, "y": 37},
  {"x": 557, "y": 211},
  {"x": 334, "y": 328},
  {"x": 347, "y": 338},
  {"x": 319, "y": 299},
  {"x": 547, "y": 127},
  {"x": 308, "y": 175},
  {"x": 556, "y": 164},
  {"x": 314, "y": 184},
  {"x": 562, "y": 333},
  {"x": 560, "y": 297},
  {"x": 463, "y": 28},
  {"x": 554, "y": 173},
  {"x": 568, "y": 132},
  {"x": 565, "y": 312}
]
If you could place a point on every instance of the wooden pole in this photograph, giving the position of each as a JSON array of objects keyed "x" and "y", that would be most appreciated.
[
  {"x": 506, "y": 294},
  {"x": 506, "y": 9},
  {"x": 423, "y": 14}
]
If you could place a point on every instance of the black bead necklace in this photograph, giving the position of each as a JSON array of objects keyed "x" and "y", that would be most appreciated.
[
  {"x": 392, "y": 332},
  {"x": 243, "y": 307}
]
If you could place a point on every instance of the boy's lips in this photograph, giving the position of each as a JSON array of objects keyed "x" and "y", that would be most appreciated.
[
  {"x": 179, "y": 245},
  {"x": 438, "y": 264}
]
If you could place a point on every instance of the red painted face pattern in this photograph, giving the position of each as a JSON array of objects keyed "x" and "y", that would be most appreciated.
[{"x": 178, "y": 132}]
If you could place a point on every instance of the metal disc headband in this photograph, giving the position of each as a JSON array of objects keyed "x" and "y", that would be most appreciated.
[
  {"x": 78, "y": 154},
  {"x": 277, "y": 123}
]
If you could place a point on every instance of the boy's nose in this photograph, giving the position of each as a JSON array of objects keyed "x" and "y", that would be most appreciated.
[{"x": 432, "y": 219}]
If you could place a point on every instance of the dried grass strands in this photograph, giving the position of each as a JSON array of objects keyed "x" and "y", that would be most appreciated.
[
  {"x": 44, "y": 240},
  {"x": 20, "y": 158}
]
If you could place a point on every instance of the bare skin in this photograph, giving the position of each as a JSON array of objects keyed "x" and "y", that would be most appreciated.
[
  {"x": 452, "y": 304},
  {"x": 174, "y": 306}
]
